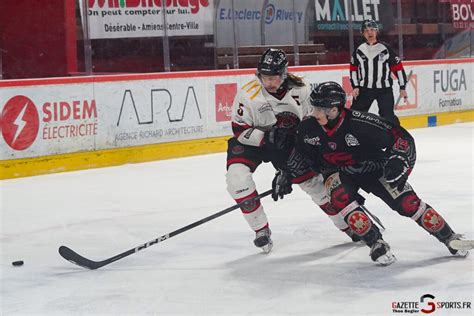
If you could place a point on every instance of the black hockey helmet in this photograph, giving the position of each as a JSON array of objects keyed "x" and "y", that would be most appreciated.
[
  {"x": 327, "y": 95},
  {"x": 369, "y": 23},
  {"x": 273, "y": 62}
]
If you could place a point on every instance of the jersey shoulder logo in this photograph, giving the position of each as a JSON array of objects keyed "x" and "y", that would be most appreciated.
[
  {"x": 312, "y": 140},
  {"x": 351, "y": 140},
  {"x": 401, "y": 145},
  {"x": 252, "y": 88}
]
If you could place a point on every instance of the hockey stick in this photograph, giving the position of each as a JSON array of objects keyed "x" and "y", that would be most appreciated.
[
  {"x": 74, "y": 257},
  {"x": 399, "y": 96},
  {"x": 374, "y": 218}
]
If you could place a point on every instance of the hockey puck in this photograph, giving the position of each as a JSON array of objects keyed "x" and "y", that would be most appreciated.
[{"x": 17, "y": 263}]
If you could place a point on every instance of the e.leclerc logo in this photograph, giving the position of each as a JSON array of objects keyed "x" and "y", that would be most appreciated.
[
  {"x": 20, "y": 122},
  {"x": 269, "y": 13}
]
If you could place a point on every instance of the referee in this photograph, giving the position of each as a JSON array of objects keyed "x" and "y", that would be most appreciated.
[{"x": 370, "y": 68}]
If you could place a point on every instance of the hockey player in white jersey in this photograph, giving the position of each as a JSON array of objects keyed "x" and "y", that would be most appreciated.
[{"x": 266, "y": 112}]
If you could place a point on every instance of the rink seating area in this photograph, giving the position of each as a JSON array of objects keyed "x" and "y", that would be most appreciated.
[{"x": 248, "y": 56}]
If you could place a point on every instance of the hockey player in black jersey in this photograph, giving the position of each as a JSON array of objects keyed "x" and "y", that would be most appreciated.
[
  {"x": 358, "y": 150},
  {"x": 372, "y": 64}
]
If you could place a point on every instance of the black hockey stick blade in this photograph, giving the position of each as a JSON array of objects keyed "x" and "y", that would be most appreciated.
[{"x": 74, "y": 257}]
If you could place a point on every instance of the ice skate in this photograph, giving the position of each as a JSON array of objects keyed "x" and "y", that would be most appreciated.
[
  {"x": 380, "y": 253},
  {"x": 263, "y": 240},
  {"x": 459, "y": 247}
]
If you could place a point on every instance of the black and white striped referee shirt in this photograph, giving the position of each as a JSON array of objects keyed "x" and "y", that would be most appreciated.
[{"x": 371, "y": 66}]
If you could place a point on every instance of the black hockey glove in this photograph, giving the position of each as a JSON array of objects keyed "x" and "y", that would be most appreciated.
[
  {"x": 396, "y": 172},
  {"x": 281, "y": 185},
  {"x": 278, "y": 138}
]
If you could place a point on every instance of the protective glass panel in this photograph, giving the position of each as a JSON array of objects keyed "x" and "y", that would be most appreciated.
[
  {"x": 337, "y": 25},
  {"x": 58, "y": 38},
  {"x": 124, "y": 36},
  {"x": 439, "y": 29}
]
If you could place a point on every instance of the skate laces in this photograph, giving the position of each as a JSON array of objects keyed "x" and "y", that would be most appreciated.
[
  {"x": 453, "y": 251},
  {"x": 379, "y": 244},
  {"x": 263, "y": 233}
]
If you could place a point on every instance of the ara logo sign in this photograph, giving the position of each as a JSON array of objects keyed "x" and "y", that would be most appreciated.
[
  {"x": 161, "y": 105},
  {"x": 165, "y": 115}
]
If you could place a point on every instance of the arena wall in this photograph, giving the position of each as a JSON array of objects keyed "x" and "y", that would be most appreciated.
[{"x": 64, "y": 124}]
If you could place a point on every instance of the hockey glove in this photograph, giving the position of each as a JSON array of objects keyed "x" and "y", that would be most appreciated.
[
  {"x": 396, "y": 172},
  {"x": 278, "y": 138},
  {"x": 281, "y": 185}
]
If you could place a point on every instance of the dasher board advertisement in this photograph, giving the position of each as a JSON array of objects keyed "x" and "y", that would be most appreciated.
[
  {"x": 67, "y": 115},
  {"x": 136, "y": 18}
]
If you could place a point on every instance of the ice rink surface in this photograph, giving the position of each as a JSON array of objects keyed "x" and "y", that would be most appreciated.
[{"x": 214, "y": 269}]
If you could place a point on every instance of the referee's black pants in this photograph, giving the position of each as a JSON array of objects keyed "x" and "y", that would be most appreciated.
[{"x": 384, "y": 99}]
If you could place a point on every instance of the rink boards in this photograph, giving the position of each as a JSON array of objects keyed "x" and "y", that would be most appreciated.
[{"x": 64, "y": 124}]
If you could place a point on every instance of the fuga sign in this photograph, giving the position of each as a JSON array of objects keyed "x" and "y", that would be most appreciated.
[{"x": 449, "y": 80}]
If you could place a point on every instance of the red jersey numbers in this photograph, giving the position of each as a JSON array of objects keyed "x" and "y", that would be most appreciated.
[{"x": 401, "y": 145}]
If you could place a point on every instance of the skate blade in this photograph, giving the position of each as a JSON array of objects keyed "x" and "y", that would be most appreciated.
[
  {"x": 461, "y": 254},
  {"x": 386, "y": 259},
  {"x": 268, "y": 247},
  {"x": 462, "y": 245}
]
